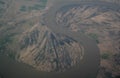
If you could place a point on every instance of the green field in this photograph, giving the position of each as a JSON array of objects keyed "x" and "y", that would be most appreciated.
[{"x": 38, "y": 6}]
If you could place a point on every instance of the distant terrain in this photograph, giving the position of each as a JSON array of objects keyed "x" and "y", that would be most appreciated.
[
  {"x": 102, "y": 25},
  {"x": 25, "y": 36}
]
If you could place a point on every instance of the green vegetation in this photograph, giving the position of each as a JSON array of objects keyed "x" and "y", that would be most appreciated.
[
  {"x": 105, "y": 56},
  {"x": 2, "y": 23},
  {"x": 27, "y": 23},
  {"x": 35, "y": 7},
  {"x": 23, "y": 8},
  {"x": 94, "y": 36},
  {"x": 11, "y": 55},
  {"x": 1, "y": 8},
  {"x": 30, "y": 8},
  {"x": 4, "y": 41},
  {"x": 1, "y": 2},
  {"x": 40, "y": 6},
  {"x": 44, "y": 2}
]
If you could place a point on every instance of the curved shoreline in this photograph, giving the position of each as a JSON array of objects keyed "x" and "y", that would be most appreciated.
[{"x": 91, "y": 59}]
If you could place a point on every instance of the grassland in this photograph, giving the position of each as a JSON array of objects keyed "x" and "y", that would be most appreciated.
[{"x": 37, "y": 6}]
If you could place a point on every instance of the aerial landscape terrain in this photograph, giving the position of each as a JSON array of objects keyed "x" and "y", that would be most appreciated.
[{"x": 59, "y": 38}]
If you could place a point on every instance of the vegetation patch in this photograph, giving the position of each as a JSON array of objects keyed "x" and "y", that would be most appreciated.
[
  {"x": 4, "y": 41},
  {"x": 4, "y": 45},
  {"x": 23, "y": 8},
  {"x": 94, "y": 36},
  {"x": 1, "y": 2},
  {"x": 39, "y": 6},
  {"x": 11, "y": 55},
  {"x": 2, "y": 23},
  {"x": 44, "y": 2},
  {"x": 36, "y": 7},
  {"x": 105, "y": 56},
  {"x": 2, "y": 10}
]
